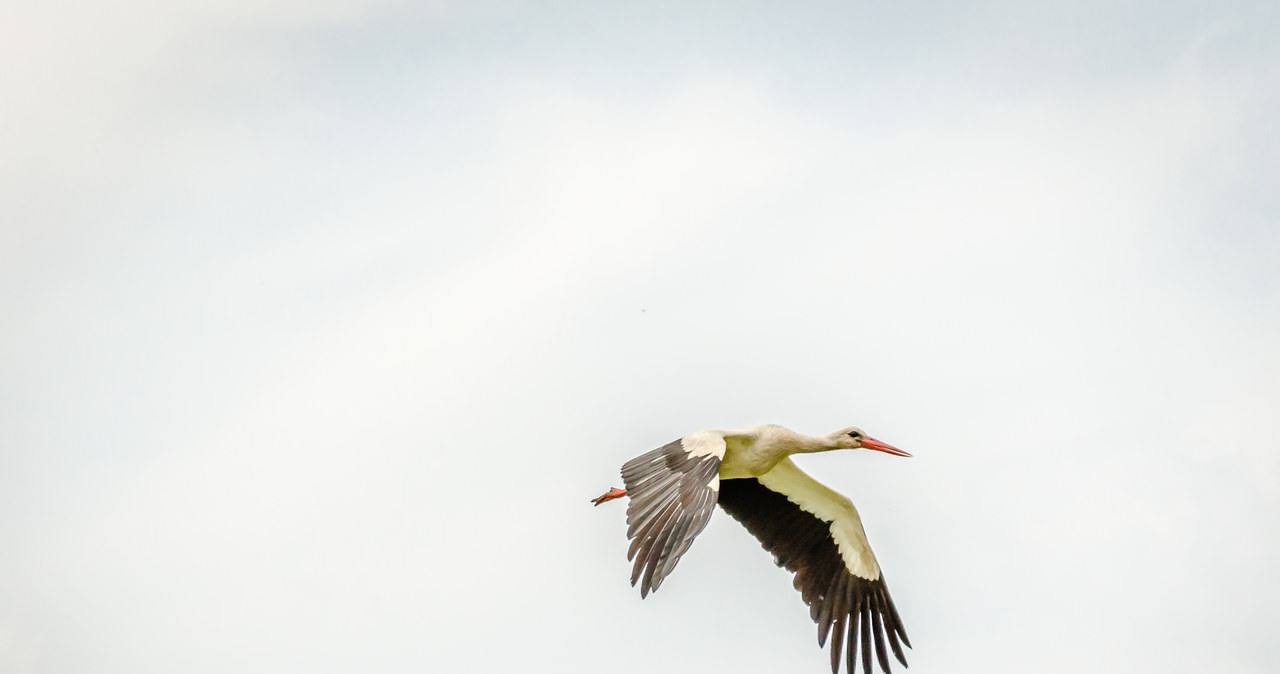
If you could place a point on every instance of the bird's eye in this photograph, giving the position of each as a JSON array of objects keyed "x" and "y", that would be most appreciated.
[{"x": 855, "y": 435}]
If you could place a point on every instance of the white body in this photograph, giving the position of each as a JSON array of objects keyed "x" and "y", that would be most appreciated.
[{"x": 761, "y": 452}]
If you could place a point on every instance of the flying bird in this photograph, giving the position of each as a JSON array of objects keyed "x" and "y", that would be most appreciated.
[{"x": 811, "y": 530}]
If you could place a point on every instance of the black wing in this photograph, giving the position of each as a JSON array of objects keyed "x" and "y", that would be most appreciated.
[
  {"x": 838, "y": 599},
  {"x": 672, "y": 492}
]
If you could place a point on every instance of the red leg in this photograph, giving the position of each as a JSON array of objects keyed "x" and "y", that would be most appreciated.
[{"x": 613, "y": 493}]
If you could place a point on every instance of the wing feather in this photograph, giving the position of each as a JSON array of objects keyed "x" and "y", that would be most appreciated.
[
  {"x": 672, "y": 491},
  {"x": 816, "y": 534}
]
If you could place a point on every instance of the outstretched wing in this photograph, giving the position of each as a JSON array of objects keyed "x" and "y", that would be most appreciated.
[
  {"x": 672, "y": 492},
  {"x": 816, "y": 533}
]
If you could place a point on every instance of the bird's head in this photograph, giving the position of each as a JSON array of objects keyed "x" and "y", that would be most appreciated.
[{"x": 854, "y": 438}]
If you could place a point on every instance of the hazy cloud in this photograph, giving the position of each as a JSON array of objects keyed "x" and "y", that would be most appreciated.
[{"x": 327, "y": 320}]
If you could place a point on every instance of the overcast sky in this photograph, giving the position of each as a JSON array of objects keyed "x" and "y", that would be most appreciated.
[{"x": 324, "y": 320}]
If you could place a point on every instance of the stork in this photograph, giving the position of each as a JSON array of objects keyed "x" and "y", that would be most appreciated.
[{"x": 811, "y": 530}]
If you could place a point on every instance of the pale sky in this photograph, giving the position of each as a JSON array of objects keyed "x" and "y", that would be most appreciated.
[{"x": 324, "y": 320}]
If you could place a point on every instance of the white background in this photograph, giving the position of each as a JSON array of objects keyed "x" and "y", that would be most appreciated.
[{"x": 324, "y": 320}]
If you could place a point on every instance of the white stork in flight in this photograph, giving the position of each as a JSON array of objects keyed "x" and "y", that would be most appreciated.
[{"x": 811, "y": 530}]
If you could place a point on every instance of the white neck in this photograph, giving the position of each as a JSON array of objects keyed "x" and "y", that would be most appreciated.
[{"x": 790, "y": 442}]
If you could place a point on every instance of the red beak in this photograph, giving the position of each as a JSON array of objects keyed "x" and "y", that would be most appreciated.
[{"x": 872, "y": 443}]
